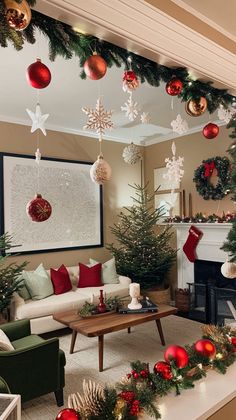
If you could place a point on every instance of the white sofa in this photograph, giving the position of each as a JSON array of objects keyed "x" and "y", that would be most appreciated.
[{"x": 40, "y": 312}]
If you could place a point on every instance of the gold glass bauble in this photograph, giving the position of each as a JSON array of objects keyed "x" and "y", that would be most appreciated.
[
  {"x": 18, "y": 15},
  {"x": 196, "y": 107}
]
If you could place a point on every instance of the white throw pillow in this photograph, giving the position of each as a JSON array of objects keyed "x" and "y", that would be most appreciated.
[{"x": 5, "y": 344}]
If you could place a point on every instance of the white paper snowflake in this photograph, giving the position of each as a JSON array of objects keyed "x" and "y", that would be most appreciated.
[
  {"x": 37, "y": 156},
  {"x": 98, "y": 119},
  {"x": 131, "y": 108},
  {"x": 145, "y": 118},
  {"x": 226, "y": 114},
  {"x": 179, "y": 125},
  {"x": 174, "y": 172},
  {"x": 38, "y": 119},
  {"x": 131, "y": 154}
]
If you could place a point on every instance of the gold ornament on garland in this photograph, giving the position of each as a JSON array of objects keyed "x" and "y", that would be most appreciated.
[
  {"x": 196, "y": 107},
  {"x": 18, "y": 15}
]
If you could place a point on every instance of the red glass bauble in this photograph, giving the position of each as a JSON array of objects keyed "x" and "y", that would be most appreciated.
[
  {"x": 130, "y": 81},
  {"x": 68, "y": 414},
  {"x": 18, "y": 15},
  {"x": 205, "y": 348},
  {"x": 95, "y": 67},
  {"x": 129, "y": 76},
  {"x": 174, "y": 87},
  {"x": 178, "y": 354},
  {"x": 210, "y": 131},
  {"x": 38, "y": 75},
  {"x": 233, "y": 341},
  {"x": 163, "y": 369},
  {"x": 39, "y": 209}
]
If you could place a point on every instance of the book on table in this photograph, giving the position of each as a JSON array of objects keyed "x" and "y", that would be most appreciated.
[{"x": 147, "y": 306}]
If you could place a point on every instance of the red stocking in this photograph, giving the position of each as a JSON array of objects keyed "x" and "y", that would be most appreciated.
[{"x": 190, "y": 245}]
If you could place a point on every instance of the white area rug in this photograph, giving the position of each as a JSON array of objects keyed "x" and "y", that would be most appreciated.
[{"x": 119, "y": 349}]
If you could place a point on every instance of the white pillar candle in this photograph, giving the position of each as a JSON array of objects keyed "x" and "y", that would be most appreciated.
[{"x": 134, "y": 290}]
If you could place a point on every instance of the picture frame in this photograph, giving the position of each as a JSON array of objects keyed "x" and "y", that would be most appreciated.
[
  {"x": 165, "y": 201},
  {"x": 76, "y": 221},
  {"x": 162, "y": 184}
]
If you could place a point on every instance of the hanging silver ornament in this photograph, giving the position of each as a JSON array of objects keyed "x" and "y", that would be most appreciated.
[
  {"x": 100, "y": 171},
  {"x": 131, "y": 154}
]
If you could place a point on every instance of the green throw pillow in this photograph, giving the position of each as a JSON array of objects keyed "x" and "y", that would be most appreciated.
[
  {"x": 38, "y": 283},
  {"x": 109, "y": 274},
  {"x": 23, "y": 291}
]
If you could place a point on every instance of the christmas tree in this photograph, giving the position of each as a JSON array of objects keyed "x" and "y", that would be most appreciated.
[
  {"x": 10, "y": 280},
  {"x": 142, "y": 254}
]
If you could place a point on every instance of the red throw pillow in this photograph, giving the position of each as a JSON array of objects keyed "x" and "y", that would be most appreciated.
[
  {"x": 90, "y": 276},
  {"x": 60, "y": 280}
]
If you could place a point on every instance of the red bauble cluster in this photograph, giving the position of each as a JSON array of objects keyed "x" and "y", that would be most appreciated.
[
  {"x": 68, "y": 414},
  {"x": 174, "y": 87},
  {"x": 38, "y": 75},
  {"x": 164, "y": 370},
  {"x": 210, "y": 131},
  {"x": 132, "y": 403},
  {"x": 39, "y": 209},
  {"x": 233, "y": 342},
  {"x": 135, "y": 408},
  {"x": 128, "y": 396},
  {"x": 143, "y": 374},
  {"x": 95, "y": 67},
  {"x": 178, "y": 354},
  {"x": 205, "y": 348}
]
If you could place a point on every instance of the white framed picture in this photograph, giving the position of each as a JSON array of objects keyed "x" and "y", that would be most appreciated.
[
  {"x": 163, "y": 184},
  {"x": 169, "y": 203}
]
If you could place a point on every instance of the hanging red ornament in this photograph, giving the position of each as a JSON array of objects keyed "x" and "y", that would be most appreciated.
[
  {"x": 18, "y": 15},
  {"x": 95, "y": 67},
  {"x": 68, "y": 414},
  {"x": 38, "y": 75},
  {"x": 163, "y": 369},
  {"x": 130, "y": 81},
  {"x": 174, "y": 87},
  {"x": 205, "y": 348},
  {"x": 39, "y": 209},
  {"x": 233, "y": 341},
  {"x": 178, "y": 354},
  {"x": 210, "y": 131},
  {"x": 196, "y": 107}
]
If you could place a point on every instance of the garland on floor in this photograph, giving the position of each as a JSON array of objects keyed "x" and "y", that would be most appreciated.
[
  {"x": 137, "y": 392},
  {"x": 64, "y": 41}
]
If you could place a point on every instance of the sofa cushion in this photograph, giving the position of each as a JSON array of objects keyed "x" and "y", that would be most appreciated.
[
  {"x": 23, "y": 291},
  {"x": 89, "y": 276},
  {"x": 5, "y": 344},
  {"x": 60, "y": 280},
  {"x": 109, "y": 274},
  {"x": 38, "y": 283}
]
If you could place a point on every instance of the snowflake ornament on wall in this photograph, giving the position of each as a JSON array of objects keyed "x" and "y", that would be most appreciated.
[
  {"x": 98, "y": 119},
  {"x": 131, "y": 108},
  {"x": 225, "y": 114},
  {"x": 179, "y": 125},
  {"x": 174, "y": 167}
]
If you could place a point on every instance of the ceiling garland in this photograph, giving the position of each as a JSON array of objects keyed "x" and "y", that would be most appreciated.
[{"x": 64, "y": 41}]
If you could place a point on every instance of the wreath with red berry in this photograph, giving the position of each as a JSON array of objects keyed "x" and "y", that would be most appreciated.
[{"x": 202, "y": 178}]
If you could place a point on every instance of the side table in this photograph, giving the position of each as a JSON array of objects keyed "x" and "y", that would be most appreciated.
[{"x": 10, "y": 407}]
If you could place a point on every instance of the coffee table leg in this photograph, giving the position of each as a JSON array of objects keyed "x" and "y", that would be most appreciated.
[
  {"x": 159, "y": 327},
  {"x": 73, "y": 338},
  {"x": 129, "y": 330},
  {"x": 100, "y": 351}
]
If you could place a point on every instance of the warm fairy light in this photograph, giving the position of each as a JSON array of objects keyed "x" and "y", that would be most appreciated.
[{"x": 219, "y": 356}]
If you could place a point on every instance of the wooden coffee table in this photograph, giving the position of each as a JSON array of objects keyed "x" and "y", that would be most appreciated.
[{"x": 101, "y": 325}]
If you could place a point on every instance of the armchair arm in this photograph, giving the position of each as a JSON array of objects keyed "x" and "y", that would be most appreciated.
[
  {"x": 124, "y": 280},
  {"x": 17, "y": 329},
  {"x": 4, "y": 388}
]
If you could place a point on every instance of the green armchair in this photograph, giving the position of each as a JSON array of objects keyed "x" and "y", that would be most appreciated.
[{"x": 35, "y": 367}]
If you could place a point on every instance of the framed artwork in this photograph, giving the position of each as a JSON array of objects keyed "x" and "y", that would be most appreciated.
[
  {"x": 76, "y": 220},
  {"x": 162, "y": 183},
  {"x": 170, "y": 204}
]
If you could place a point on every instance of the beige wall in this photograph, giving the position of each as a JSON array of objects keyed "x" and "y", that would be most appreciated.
[
  {"x": 194, "y": 148},
  {"x": 18, "y": 139}
]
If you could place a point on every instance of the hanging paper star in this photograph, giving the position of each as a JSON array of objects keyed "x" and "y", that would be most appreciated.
[
  {"x": 179, "y": 125},
  {"x": 145, "y": 118},
  {"x": 38, "y": 120},
  {"x": 225, "y": 114},
  {"x": 131, "y": 108},
  {"x": 174, "y": 172},
  {"x": 98, "y": 119},
  {"x": 37, "y": 156}
]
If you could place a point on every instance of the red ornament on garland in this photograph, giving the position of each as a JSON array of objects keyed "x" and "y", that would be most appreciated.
[
  {"x": 233, "y": 341},
  {"x": 38, "y": 75},
  {"x": 205, "y": 348},
  {"x": 163, "y": 369},
  {"x": 68, "y": 414},
  {"x": 130, "y": 81},
  {"x": 95, "y": 67},
  {"x": 39, "y": 209},
  {"x": 178, "y": 354},
  {"x": 210, "y": 131},
  {"x": 174, "y": 87}
]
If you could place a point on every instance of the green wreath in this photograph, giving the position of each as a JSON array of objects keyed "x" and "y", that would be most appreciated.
[{"x": 202, "y": 178}]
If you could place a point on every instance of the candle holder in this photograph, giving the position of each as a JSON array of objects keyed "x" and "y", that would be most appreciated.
[{"x": 134, "y": 291}]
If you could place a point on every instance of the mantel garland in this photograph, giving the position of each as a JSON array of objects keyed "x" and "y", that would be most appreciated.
[
  {"x": 64, "y": 41},
  {"x": 203, "y": 174}
]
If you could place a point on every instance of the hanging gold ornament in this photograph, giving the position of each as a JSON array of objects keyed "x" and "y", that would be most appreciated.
[
  {"x": 196, "y": 107},
  {"x": 100, "y": 171},
  {"x": 18, "y": 15}
]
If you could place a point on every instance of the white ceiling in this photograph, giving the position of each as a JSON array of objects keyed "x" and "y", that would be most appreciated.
[{"x": 67, "y": 94}]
